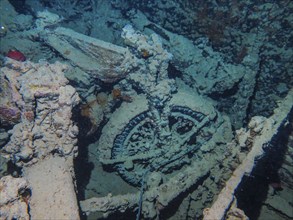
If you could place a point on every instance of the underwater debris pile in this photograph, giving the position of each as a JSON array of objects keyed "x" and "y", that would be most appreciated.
[
  {"x": 158, "y": 141},
  {"x": 44, "y": 142},
  {"x": 165, "y": 130},
  {"x": 45, "y": 101}
]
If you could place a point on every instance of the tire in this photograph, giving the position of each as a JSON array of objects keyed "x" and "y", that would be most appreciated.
[{"x": 130, "y": 143}]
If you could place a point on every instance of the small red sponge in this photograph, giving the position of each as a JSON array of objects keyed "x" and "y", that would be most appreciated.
[{"x": 16, "y": 55}]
